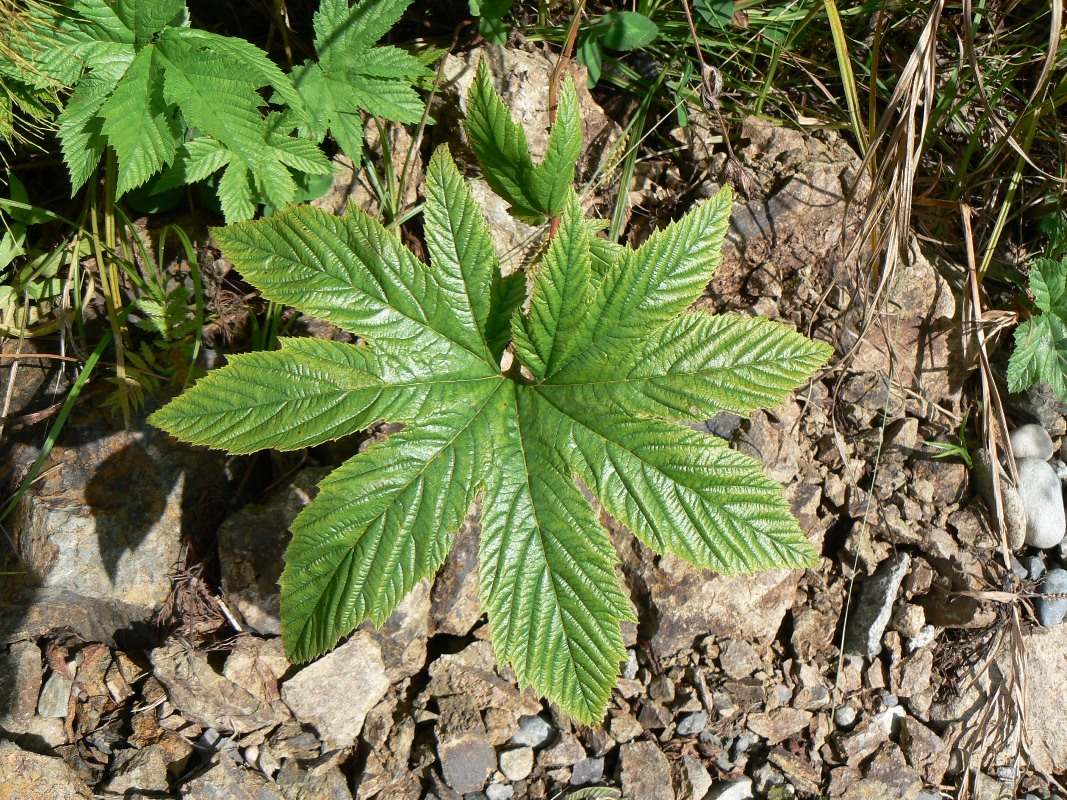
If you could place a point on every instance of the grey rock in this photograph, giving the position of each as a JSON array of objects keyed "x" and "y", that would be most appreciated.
[
  {"x": 20, "y": 685},
  {"x": 739, "y": 659},
  {"x": 499, "y": 791},
  {"x": 734, "y": 790},
  {"x": 868, "y": 621},
  {"x": 467, "y": 756},
  {"x": 55, "y": 696},
  {"x": 206, "y": 697},
  {"x": 29, "y": 776},
  {"x": 1042, "y": 496},
  {"x": 845, "y": 717},
  {"x": 691, "y": 778},
  {"x": 629, "y": 669},
  {"x": 134, "y": 771},
  {"x": 517, "y": 764},
  {"x": 214, "y": 741},
  {"x": 534, "y": 731},
  {"x": 661, "y": 689},
  {"x": 1017, "y": 568},
  {"x": 317, "y": 781},
  {"x": 645, "y": 773},
  {"x": 1034, "y": 566},
  {"x": 455, "y": 608},
  {"x": 108, "y": 520},
  {"x": 252, "y": 544},
  {"x": 588, "y": 770},
  {"x": 886, "y": 777},
  {"x": 925, "y": 636},
  {"x": 924, "y": 750},
  {"x": 1031, "y": 441},
  {"x": 691, "y": 603},
  {"x": 767, "y": 778},
  {"x": 227, "y": 781},
  {"x": 31, "y": 613},
  {"x": 564, "y": 752},
  {"x": 1051, "y": 611},
  {"x": 321, "y": 694},
  {"x": 692, "y": 724},
  {"x": 1045, "y": 405}
]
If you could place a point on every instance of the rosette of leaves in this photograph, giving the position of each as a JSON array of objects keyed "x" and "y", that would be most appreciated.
[{"x": 592, "y": 385}]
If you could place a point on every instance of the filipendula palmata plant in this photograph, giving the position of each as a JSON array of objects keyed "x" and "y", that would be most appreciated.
[{"x": 600, "y": 371}]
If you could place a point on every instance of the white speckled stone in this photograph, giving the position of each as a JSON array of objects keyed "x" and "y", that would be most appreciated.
[
  {"x": 1042, "y": 498},
  {"x": 1031, "y": 441}
]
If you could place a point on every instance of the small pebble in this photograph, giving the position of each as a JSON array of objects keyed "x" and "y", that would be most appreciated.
[
  {"x": 55, "y": 697},
  {"x": 737, "y": 790},
  {"x": 1018, "y": 569},
  {"x": 741, "y": 746},
  {"x": 1031, "y": 441},
  {"x": 1050, "y": 612},
  {"x": 588, "y": 770},
  {"x": 499, "y": 791},
  {"x": 709, "y": 738},
  {"x": 845, "y": 717},
  {"x": 692, "y": 724},
  {"x": 517, "y": 764},
  {"x": 1060, "y": 469},
  {"x": 661, "y": 689},
  {"x": 534, "y": 731},
  {"x": 1042, "y": 497},
  {"x": 629, "y": 669},
  {"x": 1035, "y": 567},
  {"x": 926, "y": 635}
]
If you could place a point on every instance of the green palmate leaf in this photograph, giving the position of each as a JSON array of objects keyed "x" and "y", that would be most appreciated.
[
  {"x": 383, "y": 521},
  {"x": 500, "y": 146},
  {"x": 138, "y": 123},
  {"x": 605, "y": 356},
  {"x": 547, "y": 567},
  {"x": 1048, "y": 281},
  {"x": 1041, "y": 342},
  {"x": 142, "y": 79},
  {"x": 353, "y": 76}
]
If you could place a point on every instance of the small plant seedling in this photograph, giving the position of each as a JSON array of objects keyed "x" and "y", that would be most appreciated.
[
  {"x": 958, "y": 449},
  {"x": 1041, "y": 342},
  {"x": 522, "y": 389}
]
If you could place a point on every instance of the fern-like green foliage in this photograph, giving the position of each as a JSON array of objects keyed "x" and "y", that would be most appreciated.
[
  {"x": 604, "y": 366},
  {"x": 1041, "y": 342},
  {"x": 351, "y": 74},
  {"x": 141, "y": 78}
]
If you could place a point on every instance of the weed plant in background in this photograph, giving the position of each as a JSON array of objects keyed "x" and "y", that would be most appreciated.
[
  {"x": 524, "y": 407},
  {"x": 154, "y": 93}
]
